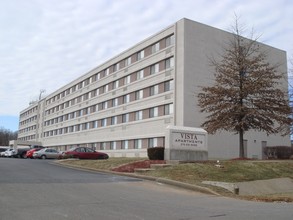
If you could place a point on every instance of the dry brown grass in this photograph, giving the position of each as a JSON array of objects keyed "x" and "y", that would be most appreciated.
[{"x": 195, "y": 173}]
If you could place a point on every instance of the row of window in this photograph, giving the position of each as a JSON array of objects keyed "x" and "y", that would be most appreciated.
[
  {"x": 137, "y": 95},
  {"x": 112, "y": 145},
  {"x": 114, "y": 85},
  {"x": 28, "y": 138},
  {"x": 31, "y": 119},
  {"x": 27, "y": 129},
  {"x": 114, "y": 120},
  {"x": 166, "y": 42},
  {"x": 28, "y": 112},
  {"x": 119, "y": 145}
]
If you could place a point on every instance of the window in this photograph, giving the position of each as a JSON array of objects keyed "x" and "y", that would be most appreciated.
[
  {"x": 168, "y": 109},
  {"x": 114, "y": 120},
  {"x": 105, "y": 105},
  {"x": 86, "y": 96},
  {"x": 169, "y": 63},
  {"x": 98, "y": 76},
  {"x": 154, "y": 90},
  {"x": 138, "y": 115},
  {"x": 104, "y": 122},
  {"x": 103, "y": 146},
  {"x": 126, "y": 98},
  {"x": 154, "y": 112},
  {"x": 116, "y": 67},
  {"x": 169, "y": 85},
  {"x": 106, "y": 88},
  {"x": 153, "y": 142},
  {"x": 81, "y": 112},
  {"x": 137, "y": 144},
  {"x": 140, "y": 74},
  {"x": 115, "y": 84},
  {"x": 154, "y": 68},
  {"x": 138, "y": 94},
  {"x": 115, "y": 102},
  {"x": 125, "y": 118},
  {"x": 124, "y": 144},
  {"x": 95, "y": 124},
  {"x": 107, "y": 71},
  {"x": 155, "y": 47},
  {"x": 127, "y": 80},
  {"x": 140, "y": 55},
  {"x": 128, "y": 61},
  {"x": 113, "y": 145},
  {"x": 170, "y": 40}
]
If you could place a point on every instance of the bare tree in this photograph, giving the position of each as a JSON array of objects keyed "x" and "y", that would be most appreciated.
[
  {"x": 6, "y": 136},
  {"x": 290, "y": 79},
  {"x": 247, "y": 92}
]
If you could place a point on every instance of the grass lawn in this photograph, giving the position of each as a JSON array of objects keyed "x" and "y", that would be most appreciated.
[{"x": 195, "y": 173}]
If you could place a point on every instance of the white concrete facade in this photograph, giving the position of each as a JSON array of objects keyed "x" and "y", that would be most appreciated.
[{"x": 123, "y": 106}]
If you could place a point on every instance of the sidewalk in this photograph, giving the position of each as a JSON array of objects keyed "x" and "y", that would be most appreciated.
[{"x": 266, "y": 187}]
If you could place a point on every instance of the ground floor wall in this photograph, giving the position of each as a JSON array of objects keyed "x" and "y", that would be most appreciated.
[
  {"x": 223, "y": 145},
  {"x": 226, "y": 145}
]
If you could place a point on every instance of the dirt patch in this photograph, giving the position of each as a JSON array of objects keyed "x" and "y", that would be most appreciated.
[{"x": 129, "y": 168}]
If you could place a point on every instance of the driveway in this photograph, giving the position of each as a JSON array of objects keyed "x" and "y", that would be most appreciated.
[{"x": 38, "y": 189}]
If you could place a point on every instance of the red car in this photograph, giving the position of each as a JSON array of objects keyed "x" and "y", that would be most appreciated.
[
  {"x": 84, "y": 153},
  {"x": 29, "y": 153}
]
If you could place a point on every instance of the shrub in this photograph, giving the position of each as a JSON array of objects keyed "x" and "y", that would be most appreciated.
[
  {"x": 278, "y": 152},
  {"x": 156, "y": 153}
]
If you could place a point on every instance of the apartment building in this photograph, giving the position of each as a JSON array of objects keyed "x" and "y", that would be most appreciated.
[{"x": 124, "y": 105}]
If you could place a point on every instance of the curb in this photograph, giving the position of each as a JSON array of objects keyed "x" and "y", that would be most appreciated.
[{"x": 192, "y": 187}]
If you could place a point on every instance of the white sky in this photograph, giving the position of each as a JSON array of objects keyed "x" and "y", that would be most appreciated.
[{"x": 47, "y": 43}]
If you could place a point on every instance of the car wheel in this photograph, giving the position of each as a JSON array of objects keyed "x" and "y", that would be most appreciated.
[
  {"x": 43, "y": 157},
  {"x": 24, "y": 156}
]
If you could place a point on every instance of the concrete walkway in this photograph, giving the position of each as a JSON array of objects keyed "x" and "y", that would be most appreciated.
[{"x": 266, "y": 187}]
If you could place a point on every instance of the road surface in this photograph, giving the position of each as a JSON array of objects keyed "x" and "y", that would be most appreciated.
[{"x": 40, "y": 190}]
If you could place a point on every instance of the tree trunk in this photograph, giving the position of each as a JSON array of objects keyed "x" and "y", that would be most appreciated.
[{"x": 241, "y": 144}]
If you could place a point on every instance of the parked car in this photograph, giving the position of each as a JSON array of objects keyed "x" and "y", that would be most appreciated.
[
  {"x": 8, "y": 153},
  {"x": 21, "y": 150},
  {"x": 3, "y": 150},
  {"x": 29, "y": 154},
  {"x": 84, "y": 153},
  {"x": 47, "y": 153}
]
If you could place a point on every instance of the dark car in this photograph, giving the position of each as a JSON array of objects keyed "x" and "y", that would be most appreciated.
[{"x": 84, "y": 153}]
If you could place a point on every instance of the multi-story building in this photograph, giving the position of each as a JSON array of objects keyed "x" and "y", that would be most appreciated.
[{"x": 124, "y": 105}]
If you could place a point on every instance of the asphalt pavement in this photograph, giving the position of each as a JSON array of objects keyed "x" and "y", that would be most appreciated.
[{"x": 38, "y": 189}]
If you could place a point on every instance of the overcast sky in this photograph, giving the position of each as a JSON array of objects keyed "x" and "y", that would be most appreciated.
[{"x": 45, "y": 44}]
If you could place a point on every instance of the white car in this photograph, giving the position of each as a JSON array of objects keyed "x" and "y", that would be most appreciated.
[
  {"x": 2, "y": 150},
  {"x": 9, "y": 152}
]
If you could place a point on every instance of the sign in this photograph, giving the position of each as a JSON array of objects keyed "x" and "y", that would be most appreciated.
[{"x": 187, "y": 140}]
